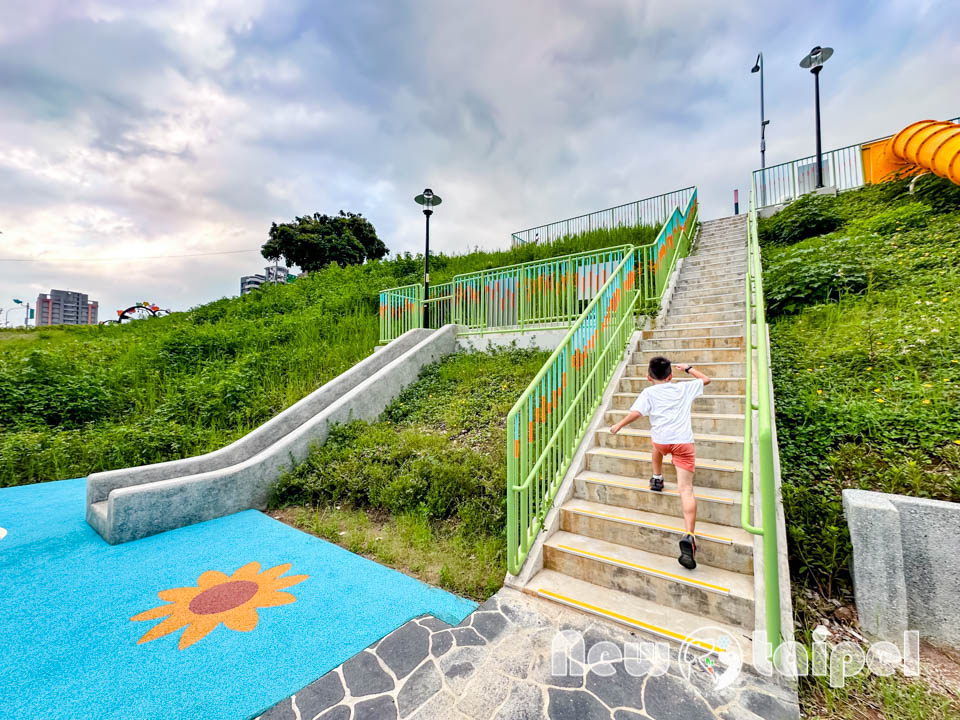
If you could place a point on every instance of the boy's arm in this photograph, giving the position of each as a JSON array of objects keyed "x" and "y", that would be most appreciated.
[
  {"x": 631, "y": 416},
  {"x": 688, "y": 368}
]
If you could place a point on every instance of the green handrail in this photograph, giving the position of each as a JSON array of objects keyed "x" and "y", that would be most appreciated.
[
  {"x": 756, "y": 322},
  {"x": 549, "y": 419},
  {"x": 401, "y": 309}
]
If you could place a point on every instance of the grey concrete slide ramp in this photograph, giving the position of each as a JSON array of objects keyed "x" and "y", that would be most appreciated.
[{"x": 132, "y": 503}]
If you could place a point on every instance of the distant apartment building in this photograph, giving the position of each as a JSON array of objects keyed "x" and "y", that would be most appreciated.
[
  {"x": 65, "y": 307},
  {"x": 272, "y": 274}
]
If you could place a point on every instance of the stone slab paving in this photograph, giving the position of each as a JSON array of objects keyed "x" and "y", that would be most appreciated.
[{"x": 497, "y": 665}]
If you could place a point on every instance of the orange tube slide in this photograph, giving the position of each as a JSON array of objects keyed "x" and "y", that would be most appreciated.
[{"x": 928, "y": 145}]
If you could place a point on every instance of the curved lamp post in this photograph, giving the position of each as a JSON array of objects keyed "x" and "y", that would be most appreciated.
[
  {"x": 814, "y": 63},
  {"x": 758, "y": 67},
  {"x": 428, "y": 200}
]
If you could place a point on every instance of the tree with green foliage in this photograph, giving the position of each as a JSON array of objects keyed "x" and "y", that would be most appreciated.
[{"x": 312, "y": 242}]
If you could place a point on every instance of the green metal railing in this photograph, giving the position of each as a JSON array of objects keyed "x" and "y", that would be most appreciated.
[
  {"x": 757, "y": 339},
  {"x": 649, "y": 211},
  {"x": 401, "y": 309},
  {"x": 548, "y": 422},
  {"x": 842, "y": 169},
  {"x": 541, "y": 293}
]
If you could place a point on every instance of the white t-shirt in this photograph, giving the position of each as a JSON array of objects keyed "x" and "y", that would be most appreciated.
[{"x": 668, "y": 406}]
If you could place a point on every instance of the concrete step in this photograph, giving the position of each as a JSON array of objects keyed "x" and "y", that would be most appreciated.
[
  {"x": 724, "y": 474},
  {"x": 709, "y": 592},
  {"x": 712, "y": 274},
  {"x": 700, "y": 318},
  {"x": 717, "y": 386},
  {"x": 715, "y": 505},
  {"x": 711, "y": 286},
  {"x": 710, "y": 446},
  {"x": 697, "y": 297},
  {"x": 722, "y": 423},
  {"x": 720, "y": 261},
  {"x": 722, "y": 546},
  {"x": 713, "y": 369},
  {"x": 730, "y": 247},
  {"x": 685, "y": 306},
  {"x": 693, "y": 355},
  {"x": 712, "y": 330},
  {"x": 711, "y": 341},
  {"x": 654, "y": 621}
]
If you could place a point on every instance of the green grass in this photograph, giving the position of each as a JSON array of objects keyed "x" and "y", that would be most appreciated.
[
  {"x": 77, "y": 400},
  {"x": 424, "y": 489},
  {"x": 866, "y": 370}
]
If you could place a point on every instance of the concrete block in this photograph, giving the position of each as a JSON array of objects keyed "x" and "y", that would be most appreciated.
[
  {"x": 878, "y": 566},
  {"x": 930, "y": 537}
]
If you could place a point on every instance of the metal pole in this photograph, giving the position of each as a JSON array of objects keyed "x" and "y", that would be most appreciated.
[
  {"x": 763, "y": 125},
  {"x": 426, "y": 273},
  {"x": 816, "y": 91}
]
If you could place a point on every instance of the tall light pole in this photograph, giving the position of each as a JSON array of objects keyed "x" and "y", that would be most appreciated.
[
  {"x": 428, "y": 200},
  {"x": 814, "y": 63},
  {"x": 758, "y": 67}
]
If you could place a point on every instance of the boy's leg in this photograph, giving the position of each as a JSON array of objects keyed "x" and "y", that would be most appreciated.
[
  {"x": 656, "y": 459},
  {"x": 687, "y": 499}
]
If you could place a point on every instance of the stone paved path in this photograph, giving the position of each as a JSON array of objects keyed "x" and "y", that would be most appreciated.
[{"x": 496, "y": 665}]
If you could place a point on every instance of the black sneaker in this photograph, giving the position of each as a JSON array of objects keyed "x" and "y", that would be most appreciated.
[
  {"x": 688, "y": 550},
  {"x": 656, "y": 483}
]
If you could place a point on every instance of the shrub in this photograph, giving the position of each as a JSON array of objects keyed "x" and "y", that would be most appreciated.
[
  {"x": 806, "y": 217},
  {"x": 812, "y": 274},
  {"x": 903, "y": 217}
]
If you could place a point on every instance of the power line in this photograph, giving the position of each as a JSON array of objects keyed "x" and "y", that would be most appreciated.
[{"x": 126, "y": 258}]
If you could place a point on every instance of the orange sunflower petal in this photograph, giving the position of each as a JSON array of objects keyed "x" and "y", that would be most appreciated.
[
  {"x": 197, "y": 630},
  {"x": 287, "y": 581},
  {"x": 183, "y": 594},
  {"x": 272, "y": 599},
  {"x": 242, "y": 619},
  {"x": 247, "y": 572},
  {"x": 154, "y": 613},
  {"x": 211, "y": 577},
  {"x": 276, "y": 571},
  {"x": 171, "y": 624}
]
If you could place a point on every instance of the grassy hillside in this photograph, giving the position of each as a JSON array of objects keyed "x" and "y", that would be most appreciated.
[
  {"x": 862, "y": 292},
  {"x": 865, "y": 357},
  {"x": 76, "y": 400}
]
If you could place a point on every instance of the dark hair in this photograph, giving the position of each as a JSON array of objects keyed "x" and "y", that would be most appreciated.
[{"x": 659, "y": 368}]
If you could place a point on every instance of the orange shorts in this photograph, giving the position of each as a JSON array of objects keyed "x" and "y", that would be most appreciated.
[{"x": 683, "y": 454}]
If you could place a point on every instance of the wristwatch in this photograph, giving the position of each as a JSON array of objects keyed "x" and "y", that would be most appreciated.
[{"x": 689, "y": 368}]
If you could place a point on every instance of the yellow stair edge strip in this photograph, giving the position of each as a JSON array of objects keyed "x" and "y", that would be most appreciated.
[
  {"x": 650, "y": 570},
  {"x": 671, "y": 528},
  {"x": 664, "y": 632},
  {"x": 641, "y": 488}
]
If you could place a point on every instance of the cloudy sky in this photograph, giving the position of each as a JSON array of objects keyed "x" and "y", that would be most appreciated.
[{"x": 131, "y": 131}]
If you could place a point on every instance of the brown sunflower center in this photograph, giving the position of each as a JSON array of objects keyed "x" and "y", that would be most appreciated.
[{"x": 221, "y": 598}]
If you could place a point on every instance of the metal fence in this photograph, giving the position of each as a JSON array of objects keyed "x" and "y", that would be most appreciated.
[
  {"x": 842, "y": 169},
  {"x": 651, "y": 211}
]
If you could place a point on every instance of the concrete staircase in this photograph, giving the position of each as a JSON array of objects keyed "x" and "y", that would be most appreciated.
[{"x": 615, "y": 552}]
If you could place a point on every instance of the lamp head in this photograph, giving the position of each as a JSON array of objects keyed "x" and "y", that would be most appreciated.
[
  {"x": 756, "y": 65},
  {"x": 816, "y": 58},
  {"x": 428, "y": 199}
]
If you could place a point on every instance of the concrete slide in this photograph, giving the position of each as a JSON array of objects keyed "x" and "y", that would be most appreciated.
[
  {"x": 924, "y": 146},
  {"x": 132, "y": 503}
]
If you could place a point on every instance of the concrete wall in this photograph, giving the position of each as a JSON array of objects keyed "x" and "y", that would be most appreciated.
[
  {"x": 136, "y": 511},
  {"x": 99, "y": 485},
  {"x": 904, "y": 565},
  {"x": 540, "y": 339}
]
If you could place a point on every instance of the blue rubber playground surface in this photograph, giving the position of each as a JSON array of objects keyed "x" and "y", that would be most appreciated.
[{"x": 232, "y": 615}]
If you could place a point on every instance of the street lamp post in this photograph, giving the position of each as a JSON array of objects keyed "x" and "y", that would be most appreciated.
[
  {"x": 758, "y": 67},
  {"x": 428, "y": 200},
  {"x": 814, "y": 63}
]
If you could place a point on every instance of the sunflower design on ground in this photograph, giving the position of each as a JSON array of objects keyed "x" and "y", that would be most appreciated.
[{"x": 217, "y": 599}]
